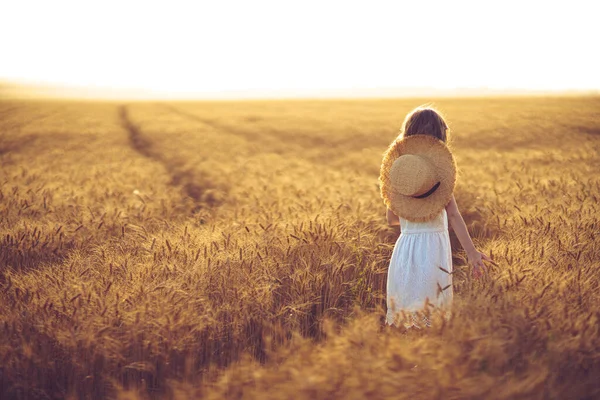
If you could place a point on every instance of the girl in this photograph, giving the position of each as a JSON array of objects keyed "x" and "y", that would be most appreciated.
[{"x": 417, "y": 180}]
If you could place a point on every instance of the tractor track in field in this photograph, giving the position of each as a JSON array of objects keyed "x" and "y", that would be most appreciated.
[
  {"x": 31, "y": 120},
  {"x": 139, "y": 143},
  {"x": 269, "y": 139},
  {"x": 16, "y": 143},
  {"x": 265, "y": 135},
  {"x": 8, "y": 110},
  {"x": 179, "y": 177},
  {"x": 208, "y": 122},
  {"x": 196, "y": 118}
]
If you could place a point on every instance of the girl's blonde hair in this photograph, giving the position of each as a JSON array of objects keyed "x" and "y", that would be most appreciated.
[{"x": 425, "y": 120}]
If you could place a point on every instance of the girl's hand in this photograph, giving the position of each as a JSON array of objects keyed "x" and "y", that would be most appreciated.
[{"x": 476, "y": 260}]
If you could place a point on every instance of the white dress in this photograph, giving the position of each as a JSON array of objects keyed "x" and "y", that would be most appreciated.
[{"x": 414, "y": 274}]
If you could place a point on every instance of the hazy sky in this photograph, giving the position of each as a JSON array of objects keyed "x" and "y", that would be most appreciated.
[{"x": 217, "y": 46}]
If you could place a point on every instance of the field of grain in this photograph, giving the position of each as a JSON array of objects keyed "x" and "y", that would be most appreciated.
[{"x": 239, "y": 250}]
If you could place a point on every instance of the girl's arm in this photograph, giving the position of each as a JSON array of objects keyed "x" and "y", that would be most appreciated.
[
  {"x": 392, "y": 219},
  {"x": 460, "y": 229}
]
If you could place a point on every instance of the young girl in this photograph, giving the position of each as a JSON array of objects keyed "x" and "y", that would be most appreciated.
[{"x": 417, "y": 180}]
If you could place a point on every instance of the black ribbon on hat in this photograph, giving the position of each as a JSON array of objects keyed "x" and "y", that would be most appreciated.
[{"x": 429, "y": 193}]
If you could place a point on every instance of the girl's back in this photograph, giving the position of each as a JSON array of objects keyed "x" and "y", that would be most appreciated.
[
  {"x": 438, "y": 224},
  {"x": 417, "y": 274}
]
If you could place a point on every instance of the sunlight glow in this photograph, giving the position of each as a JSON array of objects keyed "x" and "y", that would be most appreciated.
[{"x": 211, "y": 47}]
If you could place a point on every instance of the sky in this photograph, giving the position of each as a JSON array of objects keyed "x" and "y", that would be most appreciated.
[{"x": 213, "y": 47}]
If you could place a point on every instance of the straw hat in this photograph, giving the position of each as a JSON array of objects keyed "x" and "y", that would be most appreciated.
[{"x": 417, "y": 177}]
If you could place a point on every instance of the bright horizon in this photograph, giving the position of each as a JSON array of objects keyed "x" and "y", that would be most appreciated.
[{"x": 212, "y": 48}]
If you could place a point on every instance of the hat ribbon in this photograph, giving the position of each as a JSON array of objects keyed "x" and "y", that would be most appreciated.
[{"x": 429, "y": 193}]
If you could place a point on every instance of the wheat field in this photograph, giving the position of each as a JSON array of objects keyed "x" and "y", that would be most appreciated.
[{"x": 239, "y": 250}]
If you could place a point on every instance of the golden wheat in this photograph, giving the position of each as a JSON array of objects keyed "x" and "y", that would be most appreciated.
[{"x": 239, "y": 250}]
